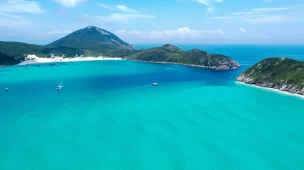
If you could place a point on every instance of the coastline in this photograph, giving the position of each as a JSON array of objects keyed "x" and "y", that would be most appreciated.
[
  {"x": 33, "y": 59},
  {"x": 271, "y": 89},
  {"x": 190, "y": 65}
]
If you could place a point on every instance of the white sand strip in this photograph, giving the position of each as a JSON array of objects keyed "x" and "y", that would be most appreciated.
[
  {"x": 33, "y": 59},
  {"x": 271, "y": 89}
]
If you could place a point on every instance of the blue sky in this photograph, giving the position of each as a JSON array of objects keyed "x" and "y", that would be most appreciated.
[{"x": 156, "y": 21}]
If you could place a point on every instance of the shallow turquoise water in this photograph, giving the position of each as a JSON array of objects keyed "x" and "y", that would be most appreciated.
[{"x": 108, "y": 116}]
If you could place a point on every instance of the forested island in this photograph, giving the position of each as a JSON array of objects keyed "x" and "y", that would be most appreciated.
[
  {"x": 284, "y": 74},
  {"x": 198, "y": 58},
  {"x": 94, "y": 42}
]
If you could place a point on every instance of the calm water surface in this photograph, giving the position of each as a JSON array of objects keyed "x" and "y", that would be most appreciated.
[{"x": 108, "y": 116}]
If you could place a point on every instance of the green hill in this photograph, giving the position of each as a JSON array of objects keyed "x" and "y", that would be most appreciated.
[
  {"x": 171, "y": 54},
  {"x": 279, "y": 73},
  {"x": 15, "y": 52},
  {"x": 90, "y": 41},
  {"x": 93, "y": 41}
]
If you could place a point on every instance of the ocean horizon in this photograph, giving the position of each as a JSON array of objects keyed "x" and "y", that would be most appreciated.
[{"x": 108, "y": 116}]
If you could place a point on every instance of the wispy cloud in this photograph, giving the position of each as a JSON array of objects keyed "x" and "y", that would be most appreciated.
[
  {"x": 57, "y": 32},
  {"x": 125, "y": 14},
  {"x": 122, "y": 8},
  {"x": 209, "y": 11},
  {"x": 124, "y": 18},
  {"x": 271, "y": 19},
  {"x": 270, "y": 9},
  {"x": 208, "y": 3},
  {"x": 204, "y": 2},
  {"x": 243, "y": 30},
  {"x": 261, "y": 16},
  {"x": 176, "y": 35},
  {"x": 20, "y": 6},
  {"x": 106, "y": 6},
  {"x": 125, "y": 9},
  {"x": 70, "y": 3}
]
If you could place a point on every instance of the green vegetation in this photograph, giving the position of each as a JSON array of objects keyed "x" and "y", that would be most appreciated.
[
  {"x": 278, "y": 70},
  {"x": 90, "y": 41},
  {"x": 171, "y": 54},
  {"x": 93, "y": 41},
  {"x": 14, "y": 52}
]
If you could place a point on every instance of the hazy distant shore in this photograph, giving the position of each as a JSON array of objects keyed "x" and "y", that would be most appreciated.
[
  {"x": 33, "y": 59},
  {"x": 271, "y": 89}
]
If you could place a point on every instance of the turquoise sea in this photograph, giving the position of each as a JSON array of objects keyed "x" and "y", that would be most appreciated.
[{"x": 109, "y": 117}]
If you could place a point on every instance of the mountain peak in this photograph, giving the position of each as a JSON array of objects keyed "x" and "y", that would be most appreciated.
[
  {"x": 93, "y": 39},
  {"x": 90, "y": 26}
]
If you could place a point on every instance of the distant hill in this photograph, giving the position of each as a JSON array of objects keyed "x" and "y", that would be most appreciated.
[
  {"x": 93, "y": 41},
  {"x": 284, "y": 74},
  {"x": 90, "y": 41},
  {"x": 172, "y": 54}
]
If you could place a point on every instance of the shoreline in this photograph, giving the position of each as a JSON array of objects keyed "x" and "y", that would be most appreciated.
[
  {"x": 33, "y": 59},
  {"x": 190, "y": 65},
  {"x": 271, "y": 89}
]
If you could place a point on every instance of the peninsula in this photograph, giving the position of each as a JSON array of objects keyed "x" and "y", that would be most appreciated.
[
  {"x": 283, "y": 74},
  {"x": 92, "y": 42},
  {"x": 197, "y": 58}
]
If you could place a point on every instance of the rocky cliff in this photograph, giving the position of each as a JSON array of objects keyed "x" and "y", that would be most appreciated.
[{"x": 278, "y": 73}]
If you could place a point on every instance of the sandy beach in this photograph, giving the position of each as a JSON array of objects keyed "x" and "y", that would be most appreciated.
[
  {"x": 33, "y": 59},
  {"x": 272, "y": 89}
]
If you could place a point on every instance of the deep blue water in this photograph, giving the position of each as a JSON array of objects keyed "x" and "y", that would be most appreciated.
[{"x": 108, "y": 116}]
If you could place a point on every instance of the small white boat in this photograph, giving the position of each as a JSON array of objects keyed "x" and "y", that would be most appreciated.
[
  {"x": 59, "y": 87},
  {"x": 154, "y": 84}
]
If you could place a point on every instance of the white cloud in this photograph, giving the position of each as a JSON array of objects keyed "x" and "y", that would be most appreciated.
[
  {"x": 179, "y": 34},
  {"x": 270, "y": 19},
  {"x": 70, "y": 3},
  {"x": 122, "y": 8},
  {"x": 270, "y": 9},
  {"x": 243, "y": 30},
  {"x": 261, "y": 16},
  {"x": 208, "y": 3},
  {"x": 105, "y": 6},
  {"x": 259, "y": 11},
  {"x": 209, "y": 11},
  {"x": 20, "y": 6},
  {"x": 57, "y": 32},
  {"x": 204, "y": 2},
  {"x": 125, "y": 9},
  {"x": 124, "y": 18}
]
